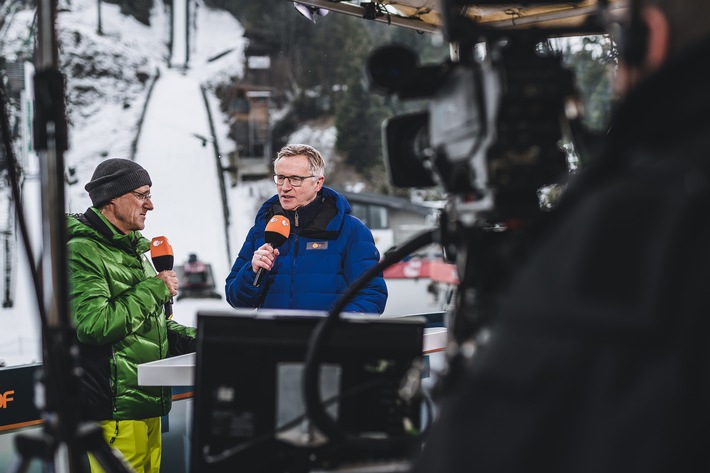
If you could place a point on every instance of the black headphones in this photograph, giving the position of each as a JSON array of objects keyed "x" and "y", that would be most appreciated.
[{"x": 634, "y": 37}]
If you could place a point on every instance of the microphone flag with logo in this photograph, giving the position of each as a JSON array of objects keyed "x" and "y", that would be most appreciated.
[
  {"x": 163, "y": 259},
  {"x": 276, "y": 233}
]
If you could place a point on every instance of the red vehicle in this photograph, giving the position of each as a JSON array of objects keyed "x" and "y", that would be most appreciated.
[{"x": 196, "y": 279}]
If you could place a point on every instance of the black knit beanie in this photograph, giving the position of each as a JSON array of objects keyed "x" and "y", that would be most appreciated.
[{"x": 115, "y": 177}]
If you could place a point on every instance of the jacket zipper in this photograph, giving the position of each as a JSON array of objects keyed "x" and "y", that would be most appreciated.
[
  {"x": 115, "y": 379},
  {"x": 295, "y": 254}
]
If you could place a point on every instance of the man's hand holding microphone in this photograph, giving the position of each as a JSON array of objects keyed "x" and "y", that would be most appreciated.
[
  {"x": 275, "y": 234},
  {"x": 170, "y": 279},
  {"x": 264, "y": 257}
]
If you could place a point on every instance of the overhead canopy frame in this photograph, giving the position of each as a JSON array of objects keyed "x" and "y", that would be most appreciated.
[{"x": 425, "y": 15}]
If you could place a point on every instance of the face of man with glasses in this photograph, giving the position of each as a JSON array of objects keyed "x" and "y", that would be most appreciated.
[
  {"x": 295, "y": 183},
  {"x": 128, "y": 212}
]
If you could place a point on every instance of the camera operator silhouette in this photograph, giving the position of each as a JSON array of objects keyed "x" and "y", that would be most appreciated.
[{"x": 598, "y": 359}]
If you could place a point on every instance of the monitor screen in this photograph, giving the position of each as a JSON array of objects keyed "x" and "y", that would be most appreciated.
[{"x": 249, "y": 413}]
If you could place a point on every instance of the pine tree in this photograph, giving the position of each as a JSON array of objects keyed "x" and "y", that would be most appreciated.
[{"x": 358, "y": 131}]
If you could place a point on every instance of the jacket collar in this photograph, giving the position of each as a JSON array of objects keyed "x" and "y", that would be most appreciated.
[
  {"x": 324, "y": 219},
  {"x": 95, "y": 220},
  {"x": 308, "y": 212}
]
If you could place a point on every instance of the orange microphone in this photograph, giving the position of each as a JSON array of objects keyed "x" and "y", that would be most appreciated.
[
  {"x": 276, "y": 233},
  {"x": 163, "y": 258}
]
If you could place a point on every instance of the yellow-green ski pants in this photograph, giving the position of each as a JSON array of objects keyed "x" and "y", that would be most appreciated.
[{"x": 138, "y": 440}]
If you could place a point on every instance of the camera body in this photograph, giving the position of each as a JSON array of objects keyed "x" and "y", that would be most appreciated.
[
  {"x": 501, "y": 116},
  {"x": 494, "y": 127}
]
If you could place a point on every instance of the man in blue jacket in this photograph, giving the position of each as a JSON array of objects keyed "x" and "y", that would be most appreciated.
[{"x": 327, "y": 250}]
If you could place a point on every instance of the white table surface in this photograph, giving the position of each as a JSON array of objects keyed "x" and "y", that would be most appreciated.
[{"x": 180, "y": 370}]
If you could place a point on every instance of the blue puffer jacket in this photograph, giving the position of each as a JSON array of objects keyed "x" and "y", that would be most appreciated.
[{"x": 316, "y": 265}]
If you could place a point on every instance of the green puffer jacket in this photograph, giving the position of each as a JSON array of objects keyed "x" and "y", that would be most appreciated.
[{"x": 118, "y": 310}]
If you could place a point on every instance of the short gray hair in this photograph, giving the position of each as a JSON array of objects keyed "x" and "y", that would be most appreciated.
[{"x": 316, "y": 163}]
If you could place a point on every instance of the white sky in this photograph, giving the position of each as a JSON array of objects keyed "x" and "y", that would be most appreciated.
[{"x": 186, "y": 192}]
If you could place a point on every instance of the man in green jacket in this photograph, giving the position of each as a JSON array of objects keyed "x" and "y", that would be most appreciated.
[{"x": 118, "y": 310}]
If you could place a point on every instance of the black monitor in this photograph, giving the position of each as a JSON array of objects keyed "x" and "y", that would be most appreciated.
[{"x": 248, "y": 403}]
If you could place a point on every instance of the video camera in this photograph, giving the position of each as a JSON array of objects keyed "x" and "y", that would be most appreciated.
[
  {"x": 495, "y": 125},
  {"x": 501, "y": 117}
]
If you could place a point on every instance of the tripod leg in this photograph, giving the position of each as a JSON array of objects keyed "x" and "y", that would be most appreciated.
[
  {"x": 20, "y": 465},
  {"x": 28, "y": 447}
]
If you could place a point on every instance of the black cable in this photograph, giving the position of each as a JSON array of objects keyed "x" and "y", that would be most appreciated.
[
  {"x": 230, "y": 452},
  {"x": 212, "y": 458},
  {"x": 315, "y": 408}
]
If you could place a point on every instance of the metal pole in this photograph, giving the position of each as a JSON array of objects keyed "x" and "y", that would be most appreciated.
[
  {"x": 187, "y": 33},
  {"x": 61, "y": 384},
  {"x": 99, "y": 29}
]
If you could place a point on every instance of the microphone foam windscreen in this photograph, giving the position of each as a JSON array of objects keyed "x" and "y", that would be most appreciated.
[
  {"x": 277, "y": 230},
  {"x": 162, "y": 253}
]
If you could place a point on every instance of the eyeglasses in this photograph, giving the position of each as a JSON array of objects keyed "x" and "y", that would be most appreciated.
[
  {"x": 142, "y": 196},
  {"x": 296, "y": 181}
]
